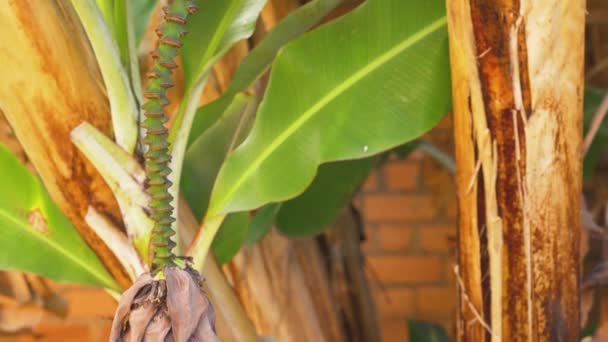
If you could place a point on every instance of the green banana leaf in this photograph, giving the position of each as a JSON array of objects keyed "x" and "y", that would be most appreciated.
[
  {"x": 121, "y": 31},
  {"x": 106, "y": 8},
  {"x": 210, "y": 138},
  {"x": 230, "y": 237},
  {"x": 202, "y": 163},
  {"x": 316, "y": 208},
  {"x": 118, "y": 18},
  {"x": 212, "y": 31},
  {"x": 332, "y": 189},
  {"x": 262, "y": 221},
  {"x": 207, "y": 148},
  {"x": 364, "y": 83},
  {"x": 205, "y": 157},
  {"x": 37, "y": 237},
  {"x": 260, "y": 58},
  {"x": 141, "y": 12}
]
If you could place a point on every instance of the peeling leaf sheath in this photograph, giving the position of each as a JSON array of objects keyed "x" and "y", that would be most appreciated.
[
  {"x": 530, "y": 165},
  {"x": 122, "y": 101},
  {"x": 503, "y": 77},
  {"x": 217, "y": 206},
  {"x": 39, "y": 236}
]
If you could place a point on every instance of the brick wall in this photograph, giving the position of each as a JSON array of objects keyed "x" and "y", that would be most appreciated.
[{"x": 409, "y": 210}]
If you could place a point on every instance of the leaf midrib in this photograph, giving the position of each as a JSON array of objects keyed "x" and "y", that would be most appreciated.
[
  {"x": 55, "y": 246},
  {"x": 316, "y": 107}
]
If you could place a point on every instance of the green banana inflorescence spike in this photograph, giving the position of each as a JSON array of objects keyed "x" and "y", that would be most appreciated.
[{"x": 157, "y": 152}]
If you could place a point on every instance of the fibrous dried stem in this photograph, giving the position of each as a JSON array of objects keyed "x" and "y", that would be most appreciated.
[{"x": 517, "y": 88}]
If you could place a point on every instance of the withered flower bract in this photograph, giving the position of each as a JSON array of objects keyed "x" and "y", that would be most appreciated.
[{"x": 171, "y": 309}]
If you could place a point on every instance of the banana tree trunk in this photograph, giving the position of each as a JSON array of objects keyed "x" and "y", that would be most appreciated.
[{"x": 517, "y": 74}]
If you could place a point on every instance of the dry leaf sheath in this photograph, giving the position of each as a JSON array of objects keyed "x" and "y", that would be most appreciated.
[
  {"x": 173, "y": 309},
  {"x": 167, "y": 304}
]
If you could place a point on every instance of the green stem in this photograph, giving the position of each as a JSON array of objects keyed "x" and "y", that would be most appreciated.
[
  {"x": 177, "y": 148},
  {"x": 199, "y": 247},
  {"x": 157, "y": 153}
]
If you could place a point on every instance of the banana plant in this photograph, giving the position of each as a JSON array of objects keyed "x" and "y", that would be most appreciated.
[{"x": 338, "y": 95}]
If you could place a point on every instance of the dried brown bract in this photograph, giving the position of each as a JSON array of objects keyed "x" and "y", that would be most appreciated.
[{"x": 171, "y": 309}]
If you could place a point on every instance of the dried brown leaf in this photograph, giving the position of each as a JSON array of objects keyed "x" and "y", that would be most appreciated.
[
  {"x": 124, "y": 306},
  {"x": 171, "y": 309}
]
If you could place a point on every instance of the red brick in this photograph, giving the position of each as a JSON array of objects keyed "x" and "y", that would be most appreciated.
[
  {"x": 371, "y": 183},
  {"x": 369, "y": 243},
  {"x": 449, "y": 264},
  {"x": 381, "y": 207},
  {"x": 439, "y": 182},
  {"x": 452, "y": 209},
  {"x": 394, "y": 330},
  {"x": 436, "y": 302},
  {"x": 90, "y": 303},
  {"x": 401, "y": 175},
  {"x": 438, "y": 238},
  {"x": 390, "y": 269},
  {"x": 393, "y": 237},
  {"x": 394, "y": 303}
]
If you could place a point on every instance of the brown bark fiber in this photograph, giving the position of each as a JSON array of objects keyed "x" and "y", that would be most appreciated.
[{"x": 517, "y": 71}]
